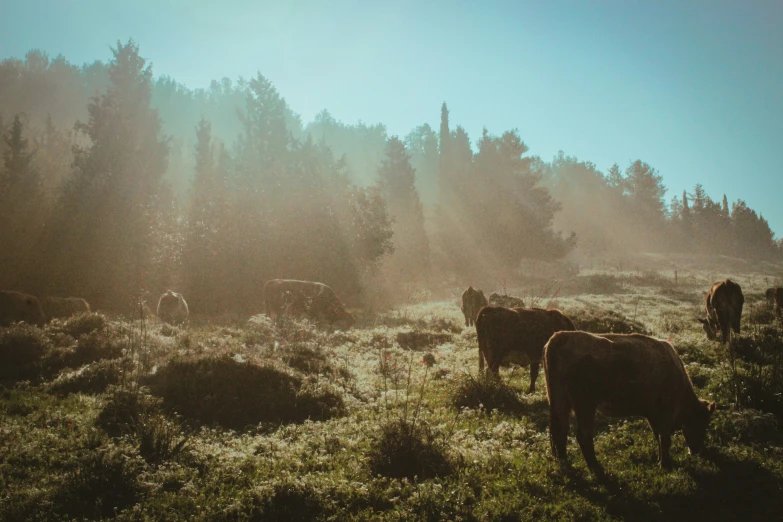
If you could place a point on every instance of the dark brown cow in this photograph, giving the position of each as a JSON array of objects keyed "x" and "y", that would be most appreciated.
[
  {"x": 620, "y": 375},
  {"x": 775, "y": 297},
  {"x": 506, "y": 301},
  {"x": 472, "y": 302},
  {"x": 305, "y": 298},
  {"x": 17, "y": 306},
  {"x": 172, "y": 308},
  {"x": 63, "y": 307},
  {"x": 516, "y": 335},
  {"x": 724, "y": 304}
]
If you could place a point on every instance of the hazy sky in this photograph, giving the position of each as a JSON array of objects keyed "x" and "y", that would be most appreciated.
[{"x": 695, "y": 88}]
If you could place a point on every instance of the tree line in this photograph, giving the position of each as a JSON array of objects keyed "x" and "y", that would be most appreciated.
[{"x": 114, "y": 182}]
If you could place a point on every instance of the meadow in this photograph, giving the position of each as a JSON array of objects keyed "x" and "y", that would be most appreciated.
[{"x": 234, "y": 419}]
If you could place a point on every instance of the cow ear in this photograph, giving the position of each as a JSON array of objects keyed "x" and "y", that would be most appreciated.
[
  {"x": 711, "y": 407},
  {"x": 702, "y": 320}
]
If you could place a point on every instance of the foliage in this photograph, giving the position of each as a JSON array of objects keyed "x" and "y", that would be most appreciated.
[
  {"x": 236, "y": 395},
  {"x": 21, "y": 349},
  {"x": 604, "y": 321},
  {"x": 487, "y": 393}
]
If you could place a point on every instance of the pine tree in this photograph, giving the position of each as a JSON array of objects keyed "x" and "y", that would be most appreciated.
[
  {"x": 21, "y": 205},
  {"x": 397, "y": 180},
  {"x": 101, "y": 239}
]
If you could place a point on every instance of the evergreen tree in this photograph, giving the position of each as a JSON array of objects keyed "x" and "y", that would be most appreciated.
[
  {"x": 22, "y": 205},
  {"x": 101, "y": 239},
  {"x": 397, "y": 180}
]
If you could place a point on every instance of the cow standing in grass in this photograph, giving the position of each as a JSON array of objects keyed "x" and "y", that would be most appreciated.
[
  {"x": 172, "y": 308},
  {"x": 620, "y": 375},
  {"x": 723, "y": 304},
  {"x": 518, "y": 335},
  {"x": 311, "y": 299},
  {"x": 18, "y": 307},
  {"x": 472, "y": 302},
  {"x": 64, "y": 307}
]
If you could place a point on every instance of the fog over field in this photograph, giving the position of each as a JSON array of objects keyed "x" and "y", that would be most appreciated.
[{"x": 234, "y": 241}]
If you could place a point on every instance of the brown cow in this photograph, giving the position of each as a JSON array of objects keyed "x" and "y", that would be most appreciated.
[
  {"x": 17, "y": 306},
  {"x": 516, "y": 335},
  {"x": 506, "y": 301},
  {"x": 775, "y": 297},
  {"x": 724, "y": 310},
  {"x": 620, "y": 375},
  {"x": 472, "y": 302},
  {"x": 172, "y": 308},
  {"x": 305, "y": 298},
  {"x": 63, "y": 307}
]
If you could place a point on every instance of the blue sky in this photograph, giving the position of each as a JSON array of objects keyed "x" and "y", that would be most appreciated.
[{"x": 693, "y": 87}]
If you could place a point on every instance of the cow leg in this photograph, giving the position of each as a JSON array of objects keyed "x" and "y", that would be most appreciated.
[
  {"x": 585, "y": 431},
  {"x": 533, "y": 376},
  {"x": 558, "y": 429}
]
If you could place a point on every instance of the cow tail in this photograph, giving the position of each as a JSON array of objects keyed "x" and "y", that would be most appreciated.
[{"x": 557, "y": 394}]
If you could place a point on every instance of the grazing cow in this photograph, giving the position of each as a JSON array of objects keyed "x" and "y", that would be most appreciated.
[
  {"x": 775, "y": 297},
  {"x": 620, "y": 375},
  {"x": 16, "y": 307},
  {"x": 172, "y": 308},
  {"x": 517, "y": 335},
  {"x": 305, "y": 298},
  {"x": 724, "y": 310},
  {"x": 506, "y": 301},
  {"x": 472, "y": 302},
  {"x": 63, "y": 307}
]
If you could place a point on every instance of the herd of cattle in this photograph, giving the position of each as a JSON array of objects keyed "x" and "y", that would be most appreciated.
[{"x": 618, "y": 374}]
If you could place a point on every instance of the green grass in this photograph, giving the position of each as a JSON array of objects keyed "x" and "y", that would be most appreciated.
[{"x": 388, "y": 421}]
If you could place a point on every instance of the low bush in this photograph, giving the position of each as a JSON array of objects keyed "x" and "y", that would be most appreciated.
[
  {"x": 605, "y": 321},
  {"x": 422, "y": 340},
  {"x": 83, "y": 324},
  {"x": 124, "y": 410},
  {"x": 486, "y": 392},
  {"x": 405, "y": 449},
  {"x": 21, "y": 349},
  {"x": 93, "y": 378},
  {"x": 221, "y": 390}
]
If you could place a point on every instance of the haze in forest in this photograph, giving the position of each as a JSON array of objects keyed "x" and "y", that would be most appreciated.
[{"x": 372, "y": 145}]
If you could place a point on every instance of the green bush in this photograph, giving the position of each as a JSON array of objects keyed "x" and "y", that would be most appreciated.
[
  {"x": 487, "y": 392},
  {"x": 405, "y": 449},
  {"x": 746, "y": 427},
  {"x": 83, "y": 324},
  {"x": 221, "y": 390},
  {"x": 21, "y": 348},
  {"x": 422, "y": 340},
  {"x": 124, "y": 410},
  {"x": 93, "y": 378},
  {"x": 605, "y": 321}
]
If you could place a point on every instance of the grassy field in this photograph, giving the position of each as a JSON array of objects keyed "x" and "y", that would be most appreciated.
[{"x": 112, "y": 418}]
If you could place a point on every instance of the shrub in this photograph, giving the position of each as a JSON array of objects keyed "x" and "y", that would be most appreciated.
[
  {"x": 605, "y": 321},
  {"x": 21, "y": 348},
  {"x": 761, "y": 314},
  {"x": 93, "y": 378},
  {"x": 83, "y": 324},
  {"x": 124, "y": 410},
  {"x": 422, "y": 340},
  {"x": 235, "y": 394},
  {"x": 405, "y": 449},
  {"x": 487, "y": 392}
]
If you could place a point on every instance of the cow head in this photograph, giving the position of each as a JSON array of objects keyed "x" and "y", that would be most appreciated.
[
  {"x": 709, "y": 328},
  {"x": 695, "y": 425}
]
